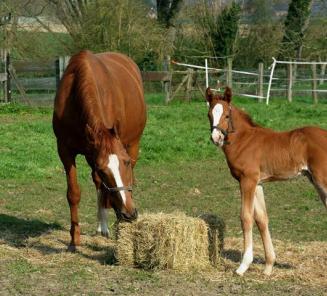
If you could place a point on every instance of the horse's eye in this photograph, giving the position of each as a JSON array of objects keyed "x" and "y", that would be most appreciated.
[
  {"x": 227, "y": 116},
  {"x": 127, "y": 162}
]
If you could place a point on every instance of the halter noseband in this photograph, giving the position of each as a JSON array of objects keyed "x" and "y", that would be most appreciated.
[{"x": 230, "y": 128}]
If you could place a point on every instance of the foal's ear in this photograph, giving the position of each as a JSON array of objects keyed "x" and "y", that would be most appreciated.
[
  {"x": 228, "y": 94},
  {"x": 209, "y": 95}
]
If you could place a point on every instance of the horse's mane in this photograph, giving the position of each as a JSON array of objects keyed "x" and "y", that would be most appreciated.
[
  {"x": 246, "y": 117},
  {"x": 85, "y": 92}
]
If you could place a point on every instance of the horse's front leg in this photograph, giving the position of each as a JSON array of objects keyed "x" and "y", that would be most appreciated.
[
  {"x": 248, "y": 186},
  {"x": 261, "y": 219},
  {"x": 73, "y": 194}
]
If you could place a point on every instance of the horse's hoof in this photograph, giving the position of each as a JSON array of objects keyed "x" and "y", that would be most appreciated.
[
  {"x": 268, "y": 270},
  {"x": 71, "y": 249},
  {"x": 103, "y": 233}
]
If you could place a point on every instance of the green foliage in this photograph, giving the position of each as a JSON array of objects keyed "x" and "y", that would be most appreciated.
[
  {"x": 295, "y": 25},
  {"x": 167, "y": 10},
  {"x": 123, "y": 26},
  {"x": 221, "y": 30},
  {"x": 259, "y": 45}
]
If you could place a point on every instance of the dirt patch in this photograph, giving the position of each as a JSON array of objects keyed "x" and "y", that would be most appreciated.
[{"x": 44, "y": 266}]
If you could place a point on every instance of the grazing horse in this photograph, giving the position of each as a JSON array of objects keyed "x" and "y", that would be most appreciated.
[
  {"x": 256, "y": 155},
  {"x": 99, "y": 112}
]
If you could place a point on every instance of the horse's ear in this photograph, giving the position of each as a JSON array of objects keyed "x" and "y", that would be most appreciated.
[
  {"x": 228, "y": 94},
  {"x": 209, "y": 95}
]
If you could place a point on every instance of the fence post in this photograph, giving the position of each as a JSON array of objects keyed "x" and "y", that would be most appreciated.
[
  {"x": 229, "y": 74},
  {"x": 322, "y": 74},
  {"x": 189, "y": 83},
  {"x": 8, "y": 81},
  {"x": 61, "y": 64},
  {"x": 260, "y": 82},
  {"x": 289, "y": 81},
  {"x": 167, "y": 83},
  {"x": 314, "y": 83}
]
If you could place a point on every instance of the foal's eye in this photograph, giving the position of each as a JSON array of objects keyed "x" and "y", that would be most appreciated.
[
  {"x": 227, "y": 116},
  {"x": 127, "y": 162}
]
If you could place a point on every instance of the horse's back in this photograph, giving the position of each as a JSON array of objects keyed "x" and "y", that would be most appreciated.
[
  {"x": 127, "y": 93},
  {"x": 113, "y": 83}
]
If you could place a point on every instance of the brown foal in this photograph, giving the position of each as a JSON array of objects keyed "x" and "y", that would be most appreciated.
[{"x": 256, "y": 155}]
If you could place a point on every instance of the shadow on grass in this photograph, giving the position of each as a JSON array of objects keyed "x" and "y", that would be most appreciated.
[
  {"x": 15, "y": 231},
  {"x": 236, "y": 257},
  {"x": 104, "y": 255}
]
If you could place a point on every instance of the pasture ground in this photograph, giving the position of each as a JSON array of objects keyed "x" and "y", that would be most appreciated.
[{"x": 179, "y": 169}]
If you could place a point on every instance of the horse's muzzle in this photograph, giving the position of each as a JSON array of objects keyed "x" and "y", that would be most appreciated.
[{"x": 126, "y": 217}]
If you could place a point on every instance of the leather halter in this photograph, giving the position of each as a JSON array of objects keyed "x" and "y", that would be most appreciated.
[
  {"x": 117, "y": 189},
  {"x": 230, "y": 128}
]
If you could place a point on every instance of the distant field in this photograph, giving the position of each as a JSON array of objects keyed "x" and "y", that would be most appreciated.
[{"x": 179, "y": 169}]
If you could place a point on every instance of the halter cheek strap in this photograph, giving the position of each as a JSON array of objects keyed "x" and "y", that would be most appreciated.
[{"x": 230, "y": 128}]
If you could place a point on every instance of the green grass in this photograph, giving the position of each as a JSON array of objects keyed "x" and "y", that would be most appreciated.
[{"x": 179, "y": 169}]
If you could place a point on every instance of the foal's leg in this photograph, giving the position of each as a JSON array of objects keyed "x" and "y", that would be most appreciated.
[
  {"x": 248, "y": 186},
  {"x": 102, "y": 214},
  {"x": 73, "y": 194},
  {"x": 261, "y": 219}
]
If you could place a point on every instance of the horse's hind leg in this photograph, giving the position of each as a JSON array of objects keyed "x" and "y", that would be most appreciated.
[
  {"x": 73, "y": 193},
  {"x": 261, "y": 219},
  {"x": 318, "y": 177}
]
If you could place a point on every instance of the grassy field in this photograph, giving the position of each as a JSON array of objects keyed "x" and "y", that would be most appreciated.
[{"x": 179, "y": 169}]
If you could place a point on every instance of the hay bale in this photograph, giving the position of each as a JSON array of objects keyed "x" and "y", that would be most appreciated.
[
  {"x": 216, "y": 230},
  {"x": 161, "y": 241}
]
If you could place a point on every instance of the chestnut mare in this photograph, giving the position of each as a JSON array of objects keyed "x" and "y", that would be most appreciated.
[
  {"x": 99, "y": 112},
  {"x": 255, "y": 155}
]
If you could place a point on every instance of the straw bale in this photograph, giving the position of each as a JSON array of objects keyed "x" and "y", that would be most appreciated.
[
  {"x": 161, "y": 241},
  {"x": 216, "y": 230}
]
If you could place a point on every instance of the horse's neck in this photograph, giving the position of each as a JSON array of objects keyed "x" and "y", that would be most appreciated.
[{"x": 241, "y": 121}]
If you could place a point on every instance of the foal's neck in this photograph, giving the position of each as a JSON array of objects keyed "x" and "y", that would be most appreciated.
[{"x": 241, "y": 120}]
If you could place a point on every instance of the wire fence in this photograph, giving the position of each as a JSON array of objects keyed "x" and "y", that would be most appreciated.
[{"x": 36, "y": 82}]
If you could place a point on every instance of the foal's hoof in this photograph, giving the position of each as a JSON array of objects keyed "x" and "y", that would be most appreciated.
[{"x": 71, "y": 249}]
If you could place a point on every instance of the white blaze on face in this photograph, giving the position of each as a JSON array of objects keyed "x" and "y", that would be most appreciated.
[
  {"x": 217, "y": 112},
  {"x": 114, "y": 167}
]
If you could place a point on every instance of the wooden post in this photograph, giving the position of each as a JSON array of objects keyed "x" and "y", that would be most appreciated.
[
  {"x": 260, "y": 82},
  {"x": 322, "y": 74},
  {"x": 229, "y": 74},
  {"x": 61, "y": 64},
  {"x": 167, "y": 84},
  {"x": 189, "y": 83},
  {"x": 289, "y": 81},
  {"x": 314, "y": 83},
  {"x": 8, "y": 81}
]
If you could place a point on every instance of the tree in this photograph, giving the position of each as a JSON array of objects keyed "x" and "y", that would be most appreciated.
[
  {"x": 221, "y": 28},
  {"x": 116, "y": 25},
  {"x": 296, "y": 23},
  {"x": 167, "y": 10}
]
